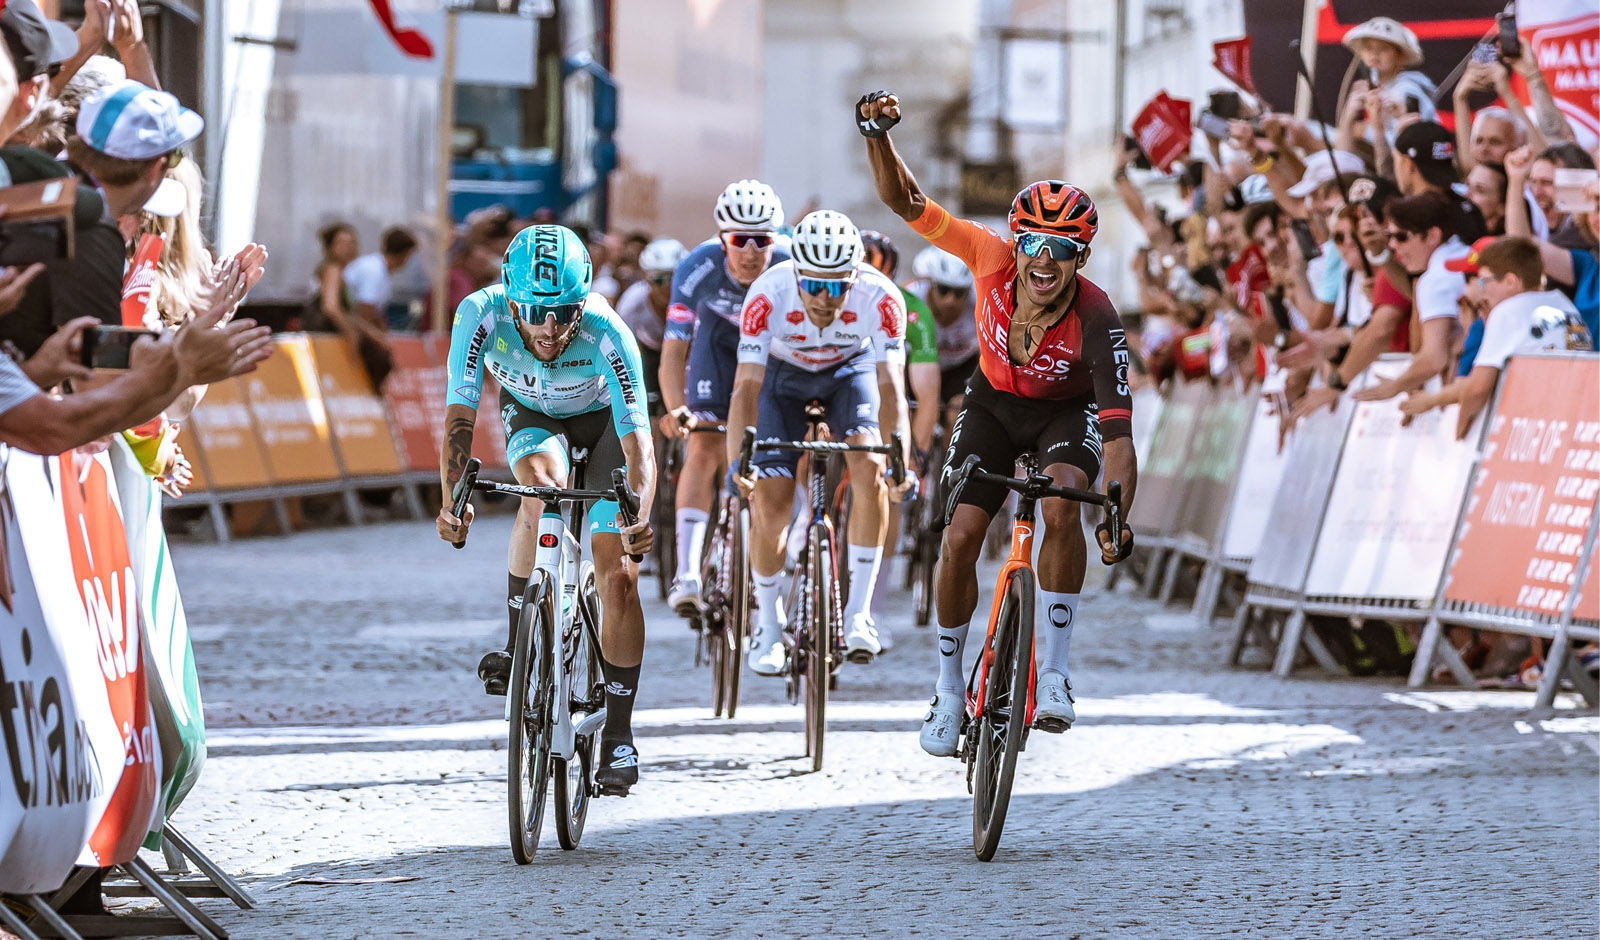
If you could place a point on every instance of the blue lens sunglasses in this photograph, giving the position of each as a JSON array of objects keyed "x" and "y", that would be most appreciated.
[
  {"x": 832, "y": 286},
  {"x": 1060, "y": 247}
]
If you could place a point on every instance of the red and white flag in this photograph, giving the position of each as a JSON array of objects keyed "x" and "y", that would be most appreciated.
[
  {"x": 411, "y": 41},
  {"x": 1162, "y": 130},
  {"x": 1232, "y": 58}
]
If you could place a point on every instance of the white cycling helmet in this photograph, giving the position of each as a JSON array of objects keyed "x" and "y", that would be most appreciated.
[
  {"x": 828, "y": 242},
  {"x": 941, "y": 267},
  {"x": 663, "y": 254},
  {"x": 749, "y": 205}
]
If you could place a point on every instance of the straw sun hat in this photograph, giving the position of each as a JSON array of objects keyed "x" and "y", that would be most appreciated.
[{"x": 1390, "y": 31}]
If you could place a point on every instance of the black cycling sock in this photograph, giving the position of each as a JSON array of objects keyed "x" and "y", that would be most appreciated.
[
  {"x": 515, "y": 587},
  {"x": 621, "y": 683}
]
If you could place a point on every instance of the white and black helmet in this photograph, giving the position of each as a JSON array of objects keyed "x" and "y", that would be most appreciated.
[
  {"x": 663, "y": 254},
  {"x": 749, "y": 205},
  {"x": 941, "y": 267},
  {"x": 826, "y": 241}
]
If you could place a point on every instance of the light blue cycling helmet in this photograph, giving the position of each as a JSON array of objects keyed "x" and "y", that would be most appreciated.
[{"x": 546, "y": 266}]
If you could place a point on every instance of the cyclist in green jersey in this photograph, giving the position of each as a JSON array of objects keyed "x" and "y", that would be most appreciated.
[{"x": 922, "y": 348}]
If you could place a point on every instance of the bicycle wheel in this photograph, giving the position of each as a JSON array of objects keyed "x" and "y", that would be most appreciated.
[
  {"x": 736, "y": 613},
  {"x": 1001, "y": 727},
  {"x": 664, "y": 520},
  {"x": 819, "y": 641},
  {"x": 532, "y": 695},
  {"x": 924, "y": 561},
  {"x": 588, "y": 690}
]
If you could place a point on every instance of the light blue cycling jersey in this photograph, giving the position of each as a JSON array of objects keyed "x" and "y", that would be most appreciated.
[{"x": 599, "y": 369}]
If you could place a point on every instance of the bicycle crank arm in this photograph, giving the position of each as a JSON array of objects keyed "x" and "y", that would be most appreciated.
[{"x": 589, "y": 724}]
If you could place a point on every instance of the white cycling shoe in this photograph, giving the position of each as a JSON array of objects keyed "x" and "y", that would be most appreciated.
[
  {"x": 1053, "y": 710},
  {"x": 942, "y": 725},
  {"x": 768, "y": 657},
  {"x": 885, "y": 637},
  {"x": 684, "y": 596},
  {"x": 861, "y": 642}
]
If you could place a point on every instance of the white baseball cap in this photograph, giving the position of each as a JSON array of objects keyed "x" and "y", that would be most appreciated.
[
  {"x": 1320, "y": 167},
  {"x": 132, "y": 121}
]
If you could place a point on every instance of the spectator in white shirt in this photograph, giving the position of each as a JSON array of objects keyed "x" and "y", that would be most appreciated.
[
  {"x": 1423, "y": 235},
  {"x": 1522, "y": 320},
  {"x": 371, "y": 277}
]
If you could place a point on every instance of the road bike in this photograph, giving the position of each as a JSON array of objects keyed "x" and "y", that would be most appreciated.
[
  {"x": 555, "y": 700},
  {"x": 723, "y": 619},
  {"x": 663, "y": 521},
  {"x": 921, "y": 523},
  {"x": 816, "y": 635},
  {"x": 1000, "y": 690}
]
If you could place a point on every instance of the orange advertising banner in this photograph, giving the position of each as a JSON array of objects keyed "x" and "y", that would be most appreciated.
[
  {"x": 1534, "y": 493},
  {"x": 110, "y": 596},
  {"x": 355, "y": 412},
  {"x": 228, "y": 450},
  {"x": 488, "y": 436},
  {"x": 413, "y": 397},
  {"x": 291, "y": 421}
]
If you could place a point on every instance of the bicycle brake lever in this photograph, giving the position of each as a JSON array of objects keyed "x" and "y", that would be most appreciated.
[
  {"x": 627, "y": 503},
  {"x": 462, "y": 494},
  {"x": 958, "y": 484},
  {"x": 897, "y": 458}
]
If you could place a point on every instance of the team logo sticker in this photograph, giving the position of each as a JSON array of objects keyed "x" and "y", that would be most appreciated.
[{"x": 756, "y": 313}]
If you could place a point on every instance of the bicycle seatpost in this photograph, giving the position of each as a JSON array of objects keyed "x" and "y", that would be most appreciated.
[
  {"x": 627, "y": 503},
  {"x": 463, "y": 493}
]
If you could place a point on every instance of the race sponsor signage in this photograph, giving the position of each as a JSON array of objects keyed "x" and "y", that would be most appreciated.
[
  {"x": 1534, "y": 492},
  {"x": 355, "y": 412},
  {"x": 1564, "y": 38},
  {"x": 1231, "y": 57},
  {"x": 1162, "y": 130}
]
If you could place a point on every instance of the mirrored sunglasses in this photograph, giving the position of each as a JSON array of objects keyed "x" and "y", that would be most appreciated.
[
  {"x": 832, "y": 286},
  {"x": 535, "y": 314},
  {"x": 748, "y": 240},
  {"x": 1061, "y": 248}
]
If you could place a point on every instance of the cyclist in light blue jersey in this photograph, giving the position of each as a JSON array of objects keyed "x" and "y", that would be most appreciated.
[{"x": 569, "y": 376}]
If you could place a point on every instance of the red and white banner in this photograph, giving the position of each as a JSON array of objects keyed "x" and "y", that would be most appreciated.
[
  {"x": 1231, "y": 57},
  {"x": 1162, "y": 130},
  {"x": 72, "y": 530},
  {"x": 1564, "y": 38}
]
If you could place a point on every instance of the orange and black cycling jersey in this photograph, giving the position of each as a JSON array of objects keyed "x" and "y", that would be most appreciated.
[{"x": 1085, "y": 351}]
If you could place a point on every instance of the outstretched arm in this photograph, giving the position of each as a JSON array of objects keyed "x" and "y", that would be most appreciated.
[{"x": 896, "y": 186}]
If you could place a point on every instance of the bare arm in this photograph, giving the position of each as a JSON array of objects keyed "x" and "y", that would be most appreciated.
[
  {"x": 925, "y": 389},
  {"x": 747, "y": 381},
  {"x": 1463, "y": 115},
  {"x": 1371, "y": 341},
  {"x": 1557, "y": 260},
  {"x": 1428, "y": 361},
  {"x": 1122, "y": 466},
  {"x": 639, "y": 452},
  {"x": 892, "y": 411},
  {"x": 674, "y": 369},
  {"x": 1550, "y": 121},
  {"x": 1475, "y": 391},
  {"x": 459, "y": 420},
  {"x": 897, "y": 188}
]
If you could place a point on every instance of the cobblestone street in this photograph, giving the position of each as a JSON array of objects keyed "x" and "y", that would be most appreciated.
[{"x": 349, "y": 738}]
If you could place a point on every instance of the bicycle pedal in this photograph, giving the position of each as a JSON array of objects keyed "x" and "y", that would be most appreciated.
[
  {"x": 493, "y": 687},
  {"x": 1052, "y": 725},
  {"x": 860, "y": 657},
  {"x": 612, "y": 791}
]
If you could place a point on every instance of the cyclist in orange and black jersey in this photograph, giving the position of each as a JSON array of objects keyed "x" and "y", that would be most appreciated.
[{"x": 1052, "y": 379}]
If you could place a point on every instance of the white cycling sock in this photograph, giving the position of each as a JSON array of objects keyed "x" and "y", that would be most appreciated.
[
  {"x": 1057, "y": 610},
  {"x": 691, "y": 536},
  {"x": 864, "y": 563},
  {"x": 769, "y": 616},
  {"x": 952, "y": 640}
]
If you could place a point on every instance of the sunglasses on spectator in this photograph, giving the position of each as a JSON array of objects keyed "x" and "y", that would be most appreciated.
[
  {"x": 759, "y": 240},
  {"x": 832, "y": 286},
  {"x": 1401, "y": 236},
  {"x": 535, "y": 314},
  {"x": 1061, "y": 248},
  {"x": 660, "y": 278},
  {"x": 174, "y": 158},
  {"x": 949, "y": 290}
]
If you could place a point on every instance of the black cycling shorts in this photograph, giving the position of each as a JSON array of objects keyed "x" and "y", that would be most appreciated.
[
  {"x": 953, "y": 381},
  {"x": 1000, "y": 427},
  {"x": 591, "y": 435}
]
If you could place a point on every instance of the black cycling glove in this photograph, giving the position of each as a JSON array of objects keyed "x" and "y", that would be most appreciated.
[
  {"x": 1127, "y": 542},
  {"x": 873, "y": 127}
]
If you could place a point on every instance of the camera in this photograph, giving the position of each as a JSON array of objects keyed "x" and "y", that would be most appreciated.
[{"x": 110, "y": 347}]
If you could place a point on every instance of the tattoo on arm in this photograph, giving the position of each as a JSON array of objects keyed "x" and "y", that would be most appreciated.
[{"x": 457, "y": 447}]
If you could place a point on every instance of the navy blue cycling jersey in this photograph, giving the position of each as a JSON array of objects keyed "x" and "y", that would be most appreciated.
[{"x": 702, "y": 290}]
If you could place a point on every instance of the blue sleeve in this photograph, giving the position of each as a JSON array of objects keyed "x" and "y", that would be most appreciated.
[
  {"x": 624, "y": 378},
  {"x": 469, "y": 338},
  {"x": 691, "y": 274},
  {"x": 1586, "y": 290},
  {"x": 1469, "y": 347}
]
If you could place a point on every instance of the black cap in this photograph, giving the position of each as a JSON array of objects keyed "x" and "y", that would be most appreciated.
[
  {"x": 35, "y": 43},
  {"x": 1432, "y": 148}
]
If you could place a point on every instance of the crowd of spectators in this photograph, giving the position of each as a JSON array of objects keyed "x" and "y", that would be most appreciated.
[
  {"x": 78, "y": 107},
  {"x": 1315, "y": 250}
]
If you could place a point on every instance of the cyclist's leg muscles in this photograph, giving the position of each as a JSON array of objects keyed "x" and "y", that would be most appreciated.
[
  {"x": 621, "y": 616},
  {"x": 780, "y": 415},
  {"x": 976, "y": 430},
  {"x": 1069, "y": 450},
  {"x": 708, "y": 386},
  {"x": 853, "y": 409}
]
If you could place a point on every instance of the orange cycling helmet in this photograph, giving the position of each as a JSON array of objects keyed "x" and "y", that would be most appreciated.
[{"x": 1052, "y": 207}]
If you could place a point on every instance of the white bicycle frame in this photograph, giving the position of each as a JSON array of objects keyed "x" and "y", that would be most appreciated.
[{"x": 558, "y": 558}]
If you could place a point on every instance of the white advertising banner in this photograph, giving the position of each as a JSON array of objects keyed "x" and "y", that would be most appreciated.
[
  {"x": 1393, "y": 509},
  {"x": 1259, "y": 476},
  {"x": 52, "y": 782}
]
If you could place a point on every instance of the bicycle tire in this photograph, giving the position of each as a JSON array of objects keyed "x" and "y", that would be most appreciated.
[
  {"x": 1003, "y": 724},
  {"x": 574, "y": 778},
  {"x": 664, "y": 522},
  {"x": 713, "y": 619},
  {"x": 819, "y": 642},
  {"x": 736, "y": 619},
  {"x": 925, "y": 561},
  {"x": 531, "y": 692}
]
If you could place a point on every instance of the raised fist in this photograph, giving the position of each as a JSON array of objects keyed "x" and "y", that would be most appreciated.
[{"x": 876, "y": 112}]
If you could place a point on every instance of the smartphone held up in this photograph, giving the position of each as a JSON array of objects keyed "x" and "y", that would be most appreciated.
[{"x": 110, "y": 347}]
